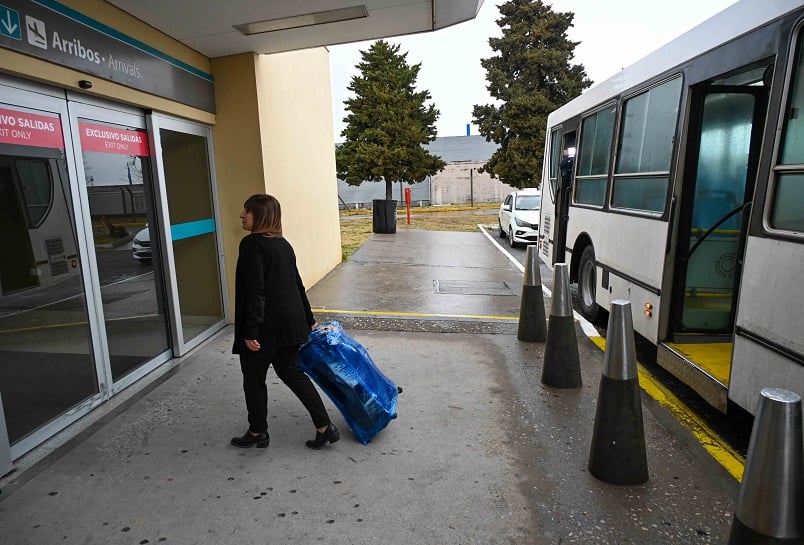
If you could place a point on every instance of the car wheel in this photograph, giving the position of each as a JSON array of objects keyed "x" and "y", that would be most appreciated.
[
  {"x": 587, "y": 285},
  {"x": 511, "y": 237},
  {"x": 502, "y": 233}
]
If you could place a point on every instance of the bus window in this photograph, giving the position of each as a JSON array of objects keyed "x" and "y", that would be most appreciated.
[
  {"x": 37, "y": 188},
  {"x": 597, "y": 131},
  {"x": 786, "y": 210},
  {"x": 646, "y": 147}
]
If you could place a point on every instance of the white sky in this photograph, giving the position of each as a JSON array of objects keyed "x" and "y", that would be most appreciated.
[{"x": 613, "y": 34}]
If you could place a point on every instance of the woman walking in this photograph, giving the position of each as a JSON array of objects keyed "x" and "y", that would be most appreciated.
[{"x": 272, "y": 318}]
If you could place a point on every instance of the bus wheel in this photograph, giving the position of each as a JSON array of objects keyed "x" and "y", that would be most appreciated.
[{"x": 587, "y": 285}]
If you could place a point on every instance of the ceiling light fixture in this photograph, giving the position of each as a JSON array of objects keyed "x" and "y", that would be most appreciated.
[{"x": 310, "y": 19}]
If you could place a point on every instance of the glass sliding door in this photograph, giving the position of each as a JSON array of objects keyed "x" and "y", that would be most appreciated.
[
  {"x": 47, "y": 368},
  {"x": 184, "y": 160},
  {"x": 115, "y": 158}
]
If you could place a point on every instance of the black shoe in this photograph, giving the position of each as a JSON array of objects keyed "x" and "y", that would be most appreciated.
[
  {"x": 330, "y": 434},
  {"x": 248, "y": 439}
]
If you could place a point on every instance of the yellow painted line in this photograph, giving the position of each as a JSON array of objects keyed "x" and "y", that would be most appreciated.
[
  {"x": 38, "y": 327},
  {"x": 709, "y": 440},
  {"x": 71, "y": 324},
  {"x": 417, "y": 314}
]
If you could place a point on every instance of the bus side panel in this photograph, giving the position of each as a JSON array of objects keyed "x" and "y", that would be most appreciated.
[
  {"x": 546, "y": 234},
  {"x": 645, "y": 325},
  {"x": 769, "y": 308},
  {"x": 632, "y": 248},
  {"x": 53, "y": 241},
  {"x": 754, "y": 367}
]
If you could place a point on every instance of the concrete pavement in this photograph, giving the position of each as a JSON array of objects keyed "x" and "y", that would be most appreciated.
[{"x": 481, "y": 452}]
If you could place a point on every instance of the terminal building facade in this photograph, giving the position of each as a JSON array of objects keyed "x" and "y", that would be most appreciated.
[{"x": 146, "y": 122}]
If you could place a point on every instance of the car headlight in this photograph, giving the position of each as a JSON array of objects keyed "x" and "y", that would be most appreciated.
[{"x": 521, "y": 223}]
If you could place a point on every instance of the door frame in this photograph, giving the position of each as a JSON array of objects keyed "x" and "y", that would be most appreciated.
[
  {"x": 157, "y": 121},
  {"x": 698, "y": 95},
  {"x": 25, "y": 94}
]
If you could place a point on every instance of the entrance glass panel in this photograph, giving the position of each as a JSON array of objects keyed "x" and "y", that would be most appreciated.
[
  {"x": 188, "y": 187},
  {"x": 46, "y": 367},
  {"x": 117, "y": 171}
]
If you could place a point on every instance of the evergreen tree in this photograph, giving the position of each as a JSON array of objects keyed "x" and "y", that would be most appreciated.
[
  {"x": 387, "y": 124},
  {"x": 530, "y": 76}
]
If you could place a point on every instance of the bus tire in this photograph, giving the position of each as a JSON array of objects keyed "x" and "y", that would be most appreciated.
[{"x": 587, "y": 285}]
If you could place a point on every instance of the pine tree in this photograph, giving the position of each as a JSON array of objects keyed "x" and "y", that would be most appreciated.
[
  {"x": 530, "y": 76},
  {"x": 387, "y": 124}
]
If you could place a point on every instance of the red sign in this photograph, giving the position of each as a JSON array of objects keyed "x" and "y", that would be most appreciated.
[
  {"x": 29, "y": 129},
  {"x": 106, "y": 139}
]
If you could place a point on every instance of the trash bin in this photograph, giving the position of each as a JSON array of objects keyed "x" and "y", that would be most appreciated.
[{"x": 384, "y": 216}]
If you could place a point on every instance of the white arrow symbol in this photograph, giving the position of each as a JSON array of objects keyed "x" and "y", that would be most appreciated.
[{"x": 9, "y": 24}]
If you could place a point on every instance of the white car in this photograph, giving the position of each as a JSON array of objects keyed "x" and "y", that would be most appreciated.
[
  {"x": 519, "y": 216},
  {"x": 141, "y": 246}
]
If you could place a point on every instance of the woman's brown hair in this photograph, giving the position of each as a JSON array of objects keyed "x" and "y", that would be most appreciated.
[{"x": 267, "y": 214}]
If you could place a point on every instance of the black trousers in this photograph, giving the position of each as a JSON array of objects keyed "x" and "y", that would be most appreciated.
[{"x": 286, "y": 365}]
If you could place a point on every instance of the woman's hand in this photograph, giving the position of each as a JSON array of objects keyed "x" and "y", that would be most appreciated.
[
  {"x": 314, "y": 326},
  {"x": 253, "y": 344}
]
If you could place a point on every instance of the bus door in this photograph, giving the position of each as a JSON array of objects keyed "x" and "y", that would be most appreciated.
[
  {"x": 18, "y": 264},
  {"x": 564, "y": 196},
  {"x": 726, "y": 125}
]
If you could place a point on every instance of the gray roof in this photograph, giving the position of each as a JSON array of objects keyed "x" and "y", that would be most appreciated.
[
  {"x": 453, "y": 149},
  {"x": 462, "y": 148}
]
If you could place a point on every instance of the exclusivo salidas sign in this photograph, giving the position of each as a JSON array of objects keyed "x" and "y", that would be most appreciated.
[{"x": 30, "y": 129}]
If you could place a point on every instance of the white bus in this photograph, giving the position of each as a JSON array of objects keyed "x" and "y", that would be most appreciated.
[
  {"x": 37, "y": 240},
  {"x": 685, "y": 196}
]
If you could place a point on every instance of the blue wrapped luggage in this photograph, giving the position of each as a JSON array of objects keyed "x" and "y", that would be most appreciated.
[{"x": 344, "y": 370}]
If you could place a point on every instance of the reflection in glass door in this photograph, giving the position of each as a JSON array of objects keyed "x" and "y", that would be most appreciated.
[
  {"x": 118, "y": 183},
  {"x": 46, "y": 366},
  {"x": 188, "y": 188}
]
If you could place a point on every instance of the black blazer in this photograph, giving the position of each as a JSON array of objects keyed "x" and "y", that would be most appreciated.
[{"x": 270, "y": 301}]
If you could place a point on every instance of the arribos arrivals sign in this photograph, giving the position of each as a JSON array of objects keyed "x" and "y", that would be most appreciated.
[{"x": 59, "y": 34}]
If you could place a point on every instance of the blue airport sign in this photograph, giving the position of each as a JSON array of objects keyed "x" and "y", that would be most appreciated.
[{"x": 10, "y": 23}]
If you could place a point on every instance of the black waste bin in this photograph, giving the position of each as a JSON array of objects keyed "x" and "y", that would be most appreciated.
[{"x": 384, "y": 216}]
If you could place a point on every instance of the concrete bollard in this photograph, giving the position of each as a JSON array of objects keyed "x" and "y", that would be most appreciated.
[
  {"x": 532, "y": 322},
  {"x": 618, "y": 454},
  {"x": 770, "y": 507},
  {"x": 562, "y": 366}
]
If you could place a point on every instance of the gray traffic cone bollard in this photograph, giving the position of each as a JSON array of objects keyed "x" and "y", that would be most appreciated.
[
  {"x": 532, "y": 323},
  {"x": 770, "y": 507},
  {"x": 618, "y": 454},
  {"x": 562, "y": 366}
]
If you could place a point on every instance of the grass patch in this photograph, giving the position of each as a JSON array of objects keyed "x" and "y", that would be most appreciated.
[
  {"x": 357, "y": 225},
  {"x": 354, "y": 232}
]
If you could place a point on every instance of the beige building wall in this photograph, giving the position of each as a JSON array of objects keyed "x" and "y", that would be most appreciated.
[
  {"x": 238, "y": 150},
  {"x": 274, "y": 135},
  {"x": 298, "y": 145},
  {"x": 460, "y": 182}
]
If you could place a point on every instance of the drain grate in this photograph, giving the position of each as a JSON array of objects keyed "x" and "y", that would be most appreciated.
[{"x": 472, "y": 287}]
